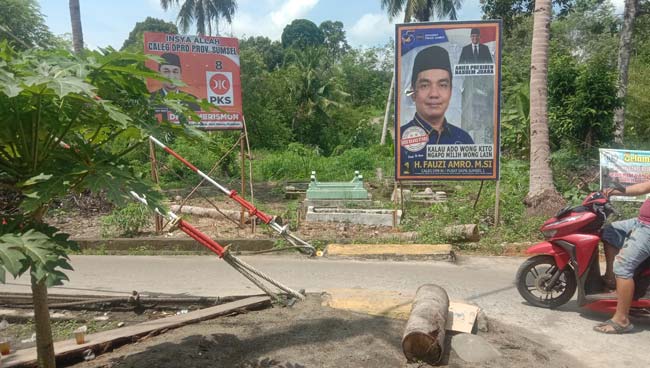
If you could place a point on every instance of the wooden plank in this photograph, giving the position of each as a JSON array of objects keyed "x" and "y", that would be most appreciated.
[
  {"x": 461, "y": 317},
  {"x": 102, "y": 341}
]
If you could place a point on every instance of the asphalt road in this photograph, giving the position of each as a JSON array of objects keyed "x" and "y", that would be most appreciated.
[{"x": 485, "y": 281}]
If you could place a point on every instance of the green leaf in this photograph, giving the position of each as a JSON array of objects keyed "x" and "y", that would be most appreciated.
[
  {"x": 38, "y": 247},
  {"x": 64, "y": 86},
  {"x": 35, "y": 179},
  {"x": 115, "y": 114},
  {"x": 11, "y": 256},
  {"x": 11, "y": 89},
  {"x": 133, "y": 71},
  {"x": 55, "y": 278},
  {"x": 40, "y": 253}
]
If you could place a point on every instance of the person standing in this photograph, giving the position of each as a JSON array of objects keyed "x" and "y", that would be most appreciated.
[{"x": 475, "y": 52}]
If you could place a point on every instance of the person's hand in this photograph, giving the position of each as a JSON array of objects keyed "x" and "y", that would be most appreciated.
[{"x": 608, "y": 192}]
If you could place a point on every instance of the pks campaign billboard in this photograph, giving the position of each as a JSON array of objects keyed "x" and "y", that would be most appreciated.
[
  {"x": 624, "y": 167},
  {"x": 209, "y": 67},
  {"x": 447, "y": 95}
]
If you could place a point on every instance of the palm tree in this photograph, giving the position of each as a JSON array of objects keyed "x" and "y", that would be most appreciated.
[
  {"x": 204, "y": 13},
  {"x": 625, "y": 46},
  {"x": 421, "y": 11},
  {"x": 77, "y": 33},
  {"x": 313, "y": 87},
  {"x": 542, "y": 196}
]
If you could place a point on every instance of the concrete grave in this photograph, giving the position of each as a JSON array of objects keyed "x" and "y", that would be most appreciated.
[
  {"x": 353, "y": 216},
  {"x": 337, "y": 190}
]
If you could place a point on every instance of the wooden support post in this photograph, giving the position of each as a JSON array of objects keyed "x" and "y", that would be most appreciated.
[
  {"x": 243, "y": 175},
  {"x": 158, "y": 220},
  {"x": 424, "y": 335},
  {"x": 497, "y": 196},
  {"x": 401, "y": 196},
  {"x": 395, "y": 203}
]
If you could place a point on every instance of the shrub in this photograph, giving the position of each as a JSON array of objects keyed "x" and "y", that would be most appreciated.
[{"x": 127, "y": 221}]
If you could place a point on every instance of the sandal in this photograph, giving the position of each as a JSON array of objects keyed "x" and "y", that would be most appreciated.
[{"x": 612, "y": 328}]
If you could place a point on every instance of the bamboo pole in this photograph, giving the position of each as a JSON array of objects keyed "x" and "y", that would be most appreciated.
[
  {"x": 243, "y": 175},
  {"x": 497, "y": 197},
  {"x": 158, "y": 220}
]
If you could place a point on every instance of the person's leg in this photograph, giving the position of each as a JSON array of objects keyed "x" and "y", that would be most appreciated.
[
  {"x": 613, "y": 237},
  {"x": 624, "y": 294},
  {"x": 635, "y": 250},
  {"x": 610, "y": 253}
]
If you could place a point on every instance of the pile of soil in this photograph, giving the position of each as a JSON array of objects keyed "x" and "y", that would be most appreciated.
[{"x": 309, "y": 335}]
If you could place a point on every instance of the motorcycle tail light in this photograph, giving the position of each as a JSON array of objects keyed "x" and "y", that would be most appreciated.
[{"x": 549, "y": 233}]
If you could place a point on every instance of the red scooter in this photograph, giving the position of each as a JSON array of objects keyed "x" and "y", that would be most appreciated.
[{"x": 568, "y": 260}]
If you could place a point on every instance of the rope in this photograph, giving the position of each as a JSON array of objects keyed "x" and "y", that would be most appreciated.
[
  {"x": 164, "y": 166},
  {"x": 214, "y": 167},
  {"x": 250, "y": 164},
  {"x": 231, "y": 261},
  {"x": 243, "y": 265}
]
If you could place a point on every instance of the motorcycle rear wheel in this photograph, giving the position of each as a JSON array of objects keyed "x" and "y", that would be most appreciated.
[{"x": 532, "y": 282}]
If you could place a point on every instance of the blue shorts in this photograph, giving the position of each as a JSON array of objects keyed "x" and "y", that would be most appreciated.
[
  {"x": 615, "y": 233},
  {"x": 636, "y": 249}
]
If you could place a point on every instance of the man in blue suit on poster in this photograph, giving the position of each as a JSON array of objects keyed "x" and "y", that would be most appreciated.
[
  {"x": 431, "y": 88},
  {"x": 475, "y": 52}
]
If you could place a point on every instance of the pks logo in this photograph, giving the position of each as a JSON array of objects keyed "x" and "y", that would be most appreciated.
[{"x": 220, "y": 89}]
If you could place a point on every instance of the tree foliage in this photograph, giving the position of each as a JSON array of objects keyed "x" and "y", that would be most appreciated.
[
  {"x": 325, "y": 96},
  {"x": 637, "y": 101},
  {"x": 422, "y": 10},
  {"x": 582, "y": 60},
  {"x": 205, "y": 14},
  {"x": 60, "y": 117},
  {"x": 271, "y": 52},
  {"x": 512, "y": 11},
  {"x": 582, "y": 99},
  {"x": 23, "y": 25},
  {"x": 301, "y": 34},
  {"x": 334, "y": 38},
  {"x": 135, "y": 41}
]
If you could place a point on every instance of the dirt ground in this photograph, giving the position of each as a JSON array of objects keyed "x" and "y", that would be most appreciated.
[
  {"x": 86, "y": 224},
  {"x": 305, "y": 335},
  {"x": 309, "y": 335}
]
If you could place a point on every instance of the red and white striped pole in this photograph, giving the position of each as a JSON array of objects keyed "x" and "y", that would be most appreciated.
[
  {"x": 252, "y": 210},
  {"x": 188, "y": 229},
  {"x": 248, "y": 271}
]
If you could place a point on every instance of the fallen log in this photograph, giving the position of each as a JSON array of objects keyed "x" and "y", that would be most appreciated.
[
  {"x": 209, "y": 212},
  {"x": 466, "y": 232},
  {"x": 424, "y": 335}
]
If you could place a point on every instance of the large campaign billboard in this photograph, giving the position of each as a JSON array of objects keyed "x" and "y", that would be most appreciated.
[
  {"x": 209, "y": 68},
  {"x": 447, "y": 100},
  {"x": 624, "y": 167}
]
